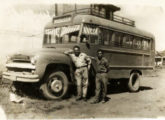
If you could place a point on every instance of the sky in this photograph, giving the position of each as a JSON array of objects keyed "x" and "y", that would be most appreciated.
[{"x": 23, "y": 29}]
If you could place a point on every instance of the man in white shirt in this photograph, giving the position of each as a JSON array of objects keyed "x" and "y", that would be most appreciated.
[{"x": 82, "y": 63}]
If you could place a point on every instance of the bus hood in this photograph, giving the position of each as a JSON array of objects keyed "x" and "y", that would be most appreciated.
[{"x": 44, "y": 52}]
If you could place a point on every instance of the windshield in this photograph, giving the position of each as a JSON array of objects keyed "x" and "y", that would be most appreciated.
[
  {"x": 59, "y": 35},
  {"x": 70, "y": 34}
]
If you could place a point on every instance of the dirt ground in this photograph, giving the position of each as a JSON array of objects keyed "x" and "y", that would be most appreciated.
[{"x": 149, "y": 102}]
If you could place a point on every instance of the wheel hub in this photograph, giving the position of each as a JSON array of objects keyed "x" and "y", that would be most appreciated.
[{"x": 56, "y": 85}]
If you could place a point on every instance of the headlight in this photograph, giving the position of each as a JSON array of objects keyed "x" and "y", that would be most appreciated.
[{"x": 34, "y": 60}]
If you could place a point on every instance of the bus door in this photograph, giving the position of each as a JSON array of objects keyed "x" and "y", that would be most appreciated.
[
  {"x": 89, "y": 45},
  {"x": 89, "y": 40}
]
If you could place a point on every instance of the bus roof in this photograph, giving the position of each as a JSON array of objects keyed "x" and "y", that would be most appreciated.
[{"x": 78, "y": 19}]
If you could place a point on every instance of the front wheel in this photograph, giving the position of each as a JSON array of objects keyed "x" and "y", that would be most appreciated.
[
  {"x": 134, "y": 82},
  {"x": 56, "y": 85}
]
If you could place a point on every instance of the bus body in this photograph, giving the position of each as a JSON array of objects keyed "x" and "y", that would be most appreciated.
[{"x": 130, "y": 52}]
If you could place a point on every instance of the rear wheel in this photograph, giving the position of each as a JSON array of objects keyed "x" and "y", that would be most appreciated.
[
  {"x": 134, "y": 82},
  {"x": 56, "y": 85}
]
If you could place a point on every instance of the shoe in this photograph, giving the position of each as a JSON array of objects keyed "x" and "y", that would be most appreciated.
[
  {"x": 105, "y": 100},
  {"x": 95, "y": 101},
  {"x": 78, "y": 98},
  {"x": 85, "y": 99}
]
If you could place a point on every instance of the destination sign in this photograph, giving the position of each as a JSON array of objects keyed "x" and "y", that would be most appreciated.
[{"x": 62, "y": 19}]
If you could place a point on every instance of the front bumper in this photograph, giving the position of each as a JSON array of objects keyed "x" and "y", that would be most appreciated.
[{"x": 20, "y": 76}]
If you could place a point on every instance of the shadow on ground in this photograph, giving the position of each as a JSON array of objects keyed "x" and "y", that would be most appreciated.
[
  {"x": 120, "y": 86},
  {"x": 114, "y": 87}
]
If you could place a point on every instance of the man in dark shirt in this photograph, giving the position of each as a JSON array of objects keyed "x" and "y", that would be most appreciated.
[{"x": 102, "y": 66}]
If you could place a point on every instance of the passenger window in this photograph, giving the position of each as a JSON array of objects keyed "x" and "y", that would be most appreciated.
[
  {"x": 53, "y": 40},
  {"x": 45, "y": 38},
  {"x": 94, "y": 39},
  {"x": 117, "y": 39},
  {"x": 145, "y": 44},
  {"x": 102, "y": 12},
  {"x": 121, "y": 35},
  {"x": 105, "y": 37},
  {"x": 129, "y": 41},
  {"x": 137, "y": 43},
  {"x": 65, "y": 38},
  {"x": 110, "y": 37},
  {"x": 96, "y": 10},
  {"x": 152, "y": 44},
  {"x": 84, "y": 38},
  {"x": 149, "y": 44},
  {"x": 49, "y": 38},
  {"x": 125, "y": 39},
  {"x": 113, "y": 38},
  {"x": 73, "y": 39}
]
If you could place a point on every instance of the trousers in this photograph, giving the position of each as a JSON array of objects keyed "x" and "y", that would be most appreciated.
[
  {"x": 101, "y": 79},
  {"x": 81, "y": 76}
]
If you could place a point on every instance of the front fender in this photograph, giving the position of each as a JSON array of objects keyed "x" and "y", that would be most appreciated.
[{"x": 47, "y": 59}]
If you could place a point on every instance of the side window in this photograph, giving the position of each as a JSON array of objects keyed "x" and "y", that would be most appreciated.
[
  {"x": 116, "y": 42},
  {"x": 110, "y": 37},
  {"x": 112, "y": 43},
  {"x": 118, "y": 39},
  {"x": 96, "y": 10},
  {"x": 73, "y": 39},
  {"x": 145, "y": 44},
  {"x": 45, "y": 38},
  {"x": 125, "y": 39},
  {"x": 137, "y": 43},
  {"x": 94, "y": 39},
  {"x": 152, "y": 44},
  {"x": 149, "y": 44},
  {"x": 128, "y": 41},
  {"x": 105, "y": 37},
  {"x": 102, "y": 12},
  {"x": 50, "y": 37},
  {"x": 65, "y": 38},
  {"x": 121, "y": 39}
]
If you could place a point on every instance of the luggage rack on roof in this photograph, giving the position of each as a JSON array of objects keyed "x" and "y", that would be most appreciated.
[{"x": 92, "y": 11}]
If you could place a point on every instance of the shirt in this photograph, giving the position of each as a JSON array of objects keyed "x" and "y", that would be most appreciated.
[
  {"x": 102, "y": 65},
  {"x": 81, "y": 60}
]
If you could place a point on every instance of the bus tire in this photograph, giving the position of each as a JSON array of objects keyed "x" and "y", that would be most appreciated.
[
  {"x": 134, "y": 82},
  {"x": 56, "y": 85}
]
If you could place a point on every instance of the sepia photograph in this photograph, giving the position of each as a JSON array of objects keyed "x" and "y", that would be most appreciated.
[{"x": 82, "y": 59}]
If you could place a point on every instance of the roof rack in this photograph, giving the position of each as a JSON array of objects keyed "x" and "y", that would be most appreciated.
[{"x": 92, "y": 11}]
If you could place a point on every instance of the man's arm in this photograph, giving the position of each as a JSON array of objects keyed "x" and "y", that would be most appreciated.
[
  {"x": 68, "y": 52},
  {"x": 107, "y": 65},
  {"x": 88, "y": 60},
  {"x": 92, "y": 58}
]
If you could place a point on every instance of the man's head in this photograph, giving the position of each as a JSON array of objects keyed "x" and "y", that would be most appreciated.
[
  {"x": 99, "y": 54},
  {"x": 76, "y": 50}
]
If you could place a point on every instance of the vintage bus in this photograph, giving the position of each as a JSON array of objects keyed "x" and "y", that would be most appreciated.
[{"x": 130, "y": 51}]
